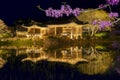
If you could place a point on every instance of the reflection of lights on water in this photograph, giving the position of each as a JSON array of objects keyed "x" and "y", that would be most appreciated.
[
  {"x": 97, "y": 65},
  {"x": 70, "y": 55},
  {"x": 2, "y": 62}
]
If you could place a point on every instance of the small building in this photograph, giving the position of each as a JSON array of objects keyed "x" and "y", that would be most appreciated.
[
  {"x": 71, "y": 28},
  {"x": 36, "y": 31}
]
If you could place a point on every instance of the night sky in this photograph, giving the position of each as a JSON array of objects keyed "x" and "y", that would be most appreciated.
[{"x": 11, "y": 10}]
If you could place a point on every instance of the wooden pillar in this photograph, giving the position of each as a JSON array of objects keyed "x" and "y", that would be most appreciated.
[
  {"x": 55, "y": 54},
  {"x": 80, "y": 32},
  {"x": 55, "y": 31},
  {"x": 41, "y": 33},
  {"x": 77, "y": 32},
  {"x": 71, "y": 34}
]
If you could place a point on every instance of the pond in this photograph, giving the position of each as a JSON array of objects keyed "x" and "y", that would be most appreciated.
[{"x": 100, "y": 61}]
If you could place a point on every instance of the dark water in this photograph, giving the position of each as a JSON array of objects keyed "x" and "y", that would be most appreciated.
[{"x": 83, "y": 62}]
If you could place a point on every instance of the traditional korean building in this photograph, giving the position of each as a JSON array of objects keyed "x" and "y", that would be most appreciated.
[{"x": 71, "y": 28}]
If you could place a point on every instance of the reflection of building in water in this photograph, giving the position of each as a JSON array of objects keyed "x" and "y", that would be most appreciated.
[
  {"x": 2, "y": 62},
  {"x": 70, "y": 55},
  {"x": 72, "y": 52},
  {"x": 99, "y": 62},
  {"x": 34, "y": 54}
]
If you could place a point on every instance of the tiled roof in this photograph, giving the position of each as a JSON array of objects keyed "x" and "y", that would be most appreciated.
[{"x": 59, "y": 21}]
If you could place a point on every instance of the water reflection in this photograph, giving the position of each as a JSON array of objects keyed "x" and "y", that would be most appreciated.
[
  {"x": 2, "y": 62},
  {"x": 71, "y": 55},
  {"x": 88, "y": 60},
  {"x": 35, "y": 54},
  {"x": 3, "y": 57},
  {"x": 98, "y": 63}
]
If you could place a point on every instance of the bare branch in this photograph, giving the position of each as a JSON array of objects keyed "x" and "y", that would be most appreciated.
[
  {"x": 118, "y": 19},
  {"x": 40, "y": 8}
]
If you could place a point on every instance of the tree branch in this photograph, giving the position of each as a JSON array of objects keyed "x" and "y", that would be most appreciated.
[
  {"x": 118, "y": 19},
  {"x": 40, "y": 8}
]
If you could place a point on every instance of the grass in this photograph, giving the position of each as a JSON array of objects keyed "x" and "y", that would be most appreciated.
[
  {"x": 18, "y": 42},
  {"x": 60, "y": 41}
]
